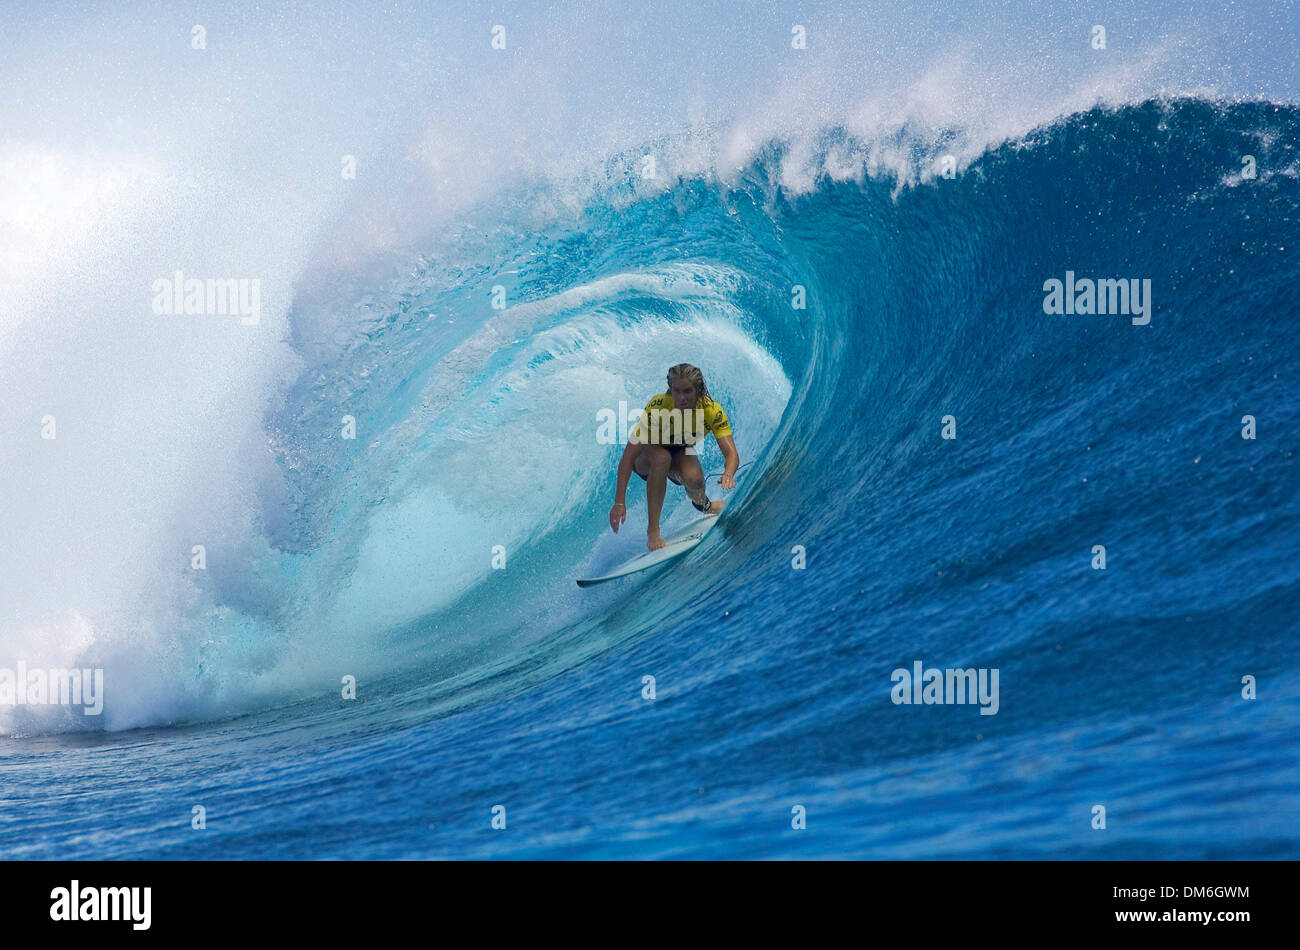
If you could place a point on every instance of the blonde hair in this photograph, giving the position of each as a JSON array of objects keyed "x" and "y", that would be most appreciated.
[{"x": 692, "y": 373}]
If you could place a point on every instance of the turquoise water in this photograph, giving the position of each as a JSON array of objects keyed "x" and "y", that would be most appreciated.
[{"x": 476, "y": 442}]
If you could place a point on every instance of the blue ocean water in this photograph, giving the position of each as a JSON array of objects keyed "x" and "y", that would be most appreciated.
[{"x": 476, "y": 441}]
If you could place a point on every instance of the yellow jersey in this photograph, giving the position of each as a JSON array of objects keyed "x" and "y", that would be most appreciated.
[{"x": 662, "y": 423}]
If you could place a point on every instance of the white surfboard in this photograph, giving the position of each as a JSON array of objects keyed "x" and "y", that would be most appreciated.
[{"x": 675, "y": 545}]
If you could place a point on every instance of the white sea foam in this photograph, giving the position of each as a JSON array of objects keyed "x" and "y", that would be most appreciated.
[{"x": 128, "y": 154}]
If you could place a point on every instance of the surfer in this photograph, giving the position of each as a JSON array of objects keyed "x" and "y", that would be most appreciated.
[{"x": 662, "y": 446}]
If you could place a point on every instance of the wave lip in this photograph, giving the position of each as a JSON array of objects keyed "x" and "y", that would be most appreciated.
[{"x": 473, "y": 431}]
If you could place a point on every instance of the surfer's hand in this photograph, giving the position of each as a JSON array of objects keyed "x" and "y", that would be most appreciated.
[
  {"x": 617, "y": 515},
  {"x": 727, "y": 481}
]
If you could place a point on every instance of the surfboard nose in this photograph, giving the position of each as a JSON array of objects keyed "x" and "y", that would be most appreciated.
[{"x": 675, "y": 545}]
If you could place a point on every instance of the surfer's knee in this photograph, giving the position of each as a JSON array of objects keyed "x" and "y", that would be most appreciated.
[{"x": 660, "y": 458}]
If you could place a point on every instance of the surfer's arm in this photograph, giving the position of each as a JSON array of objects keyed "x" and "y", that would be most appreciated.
[
  {"x": 731, "y": 461},
  {"x": 618, "y": 513},
  {"x": 625, "y": 467}
]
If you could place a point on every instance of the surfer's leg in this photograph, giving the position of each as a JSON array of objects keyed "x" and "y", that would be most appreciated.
[
  {"x": 657, "y": 462},
  {"x": 642, "y": 466},
  {"x": 692, "y": 477}
]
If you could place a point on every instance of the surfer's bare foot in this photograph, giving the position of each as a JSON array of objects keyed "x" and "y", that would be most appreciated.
[
  {"x": 655, "y": 542},
  {"x": 715, "y": 506},
  {"x": 710, "y": 507}
]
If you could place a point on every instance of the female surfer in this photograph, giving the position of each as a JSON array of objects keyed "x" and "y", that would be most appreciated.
[{"x": 662, "y": 446}]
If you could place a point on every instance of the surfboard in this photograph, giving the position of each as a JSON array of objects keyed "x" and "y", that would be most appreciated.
[{"x": 675, "y": 545}]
